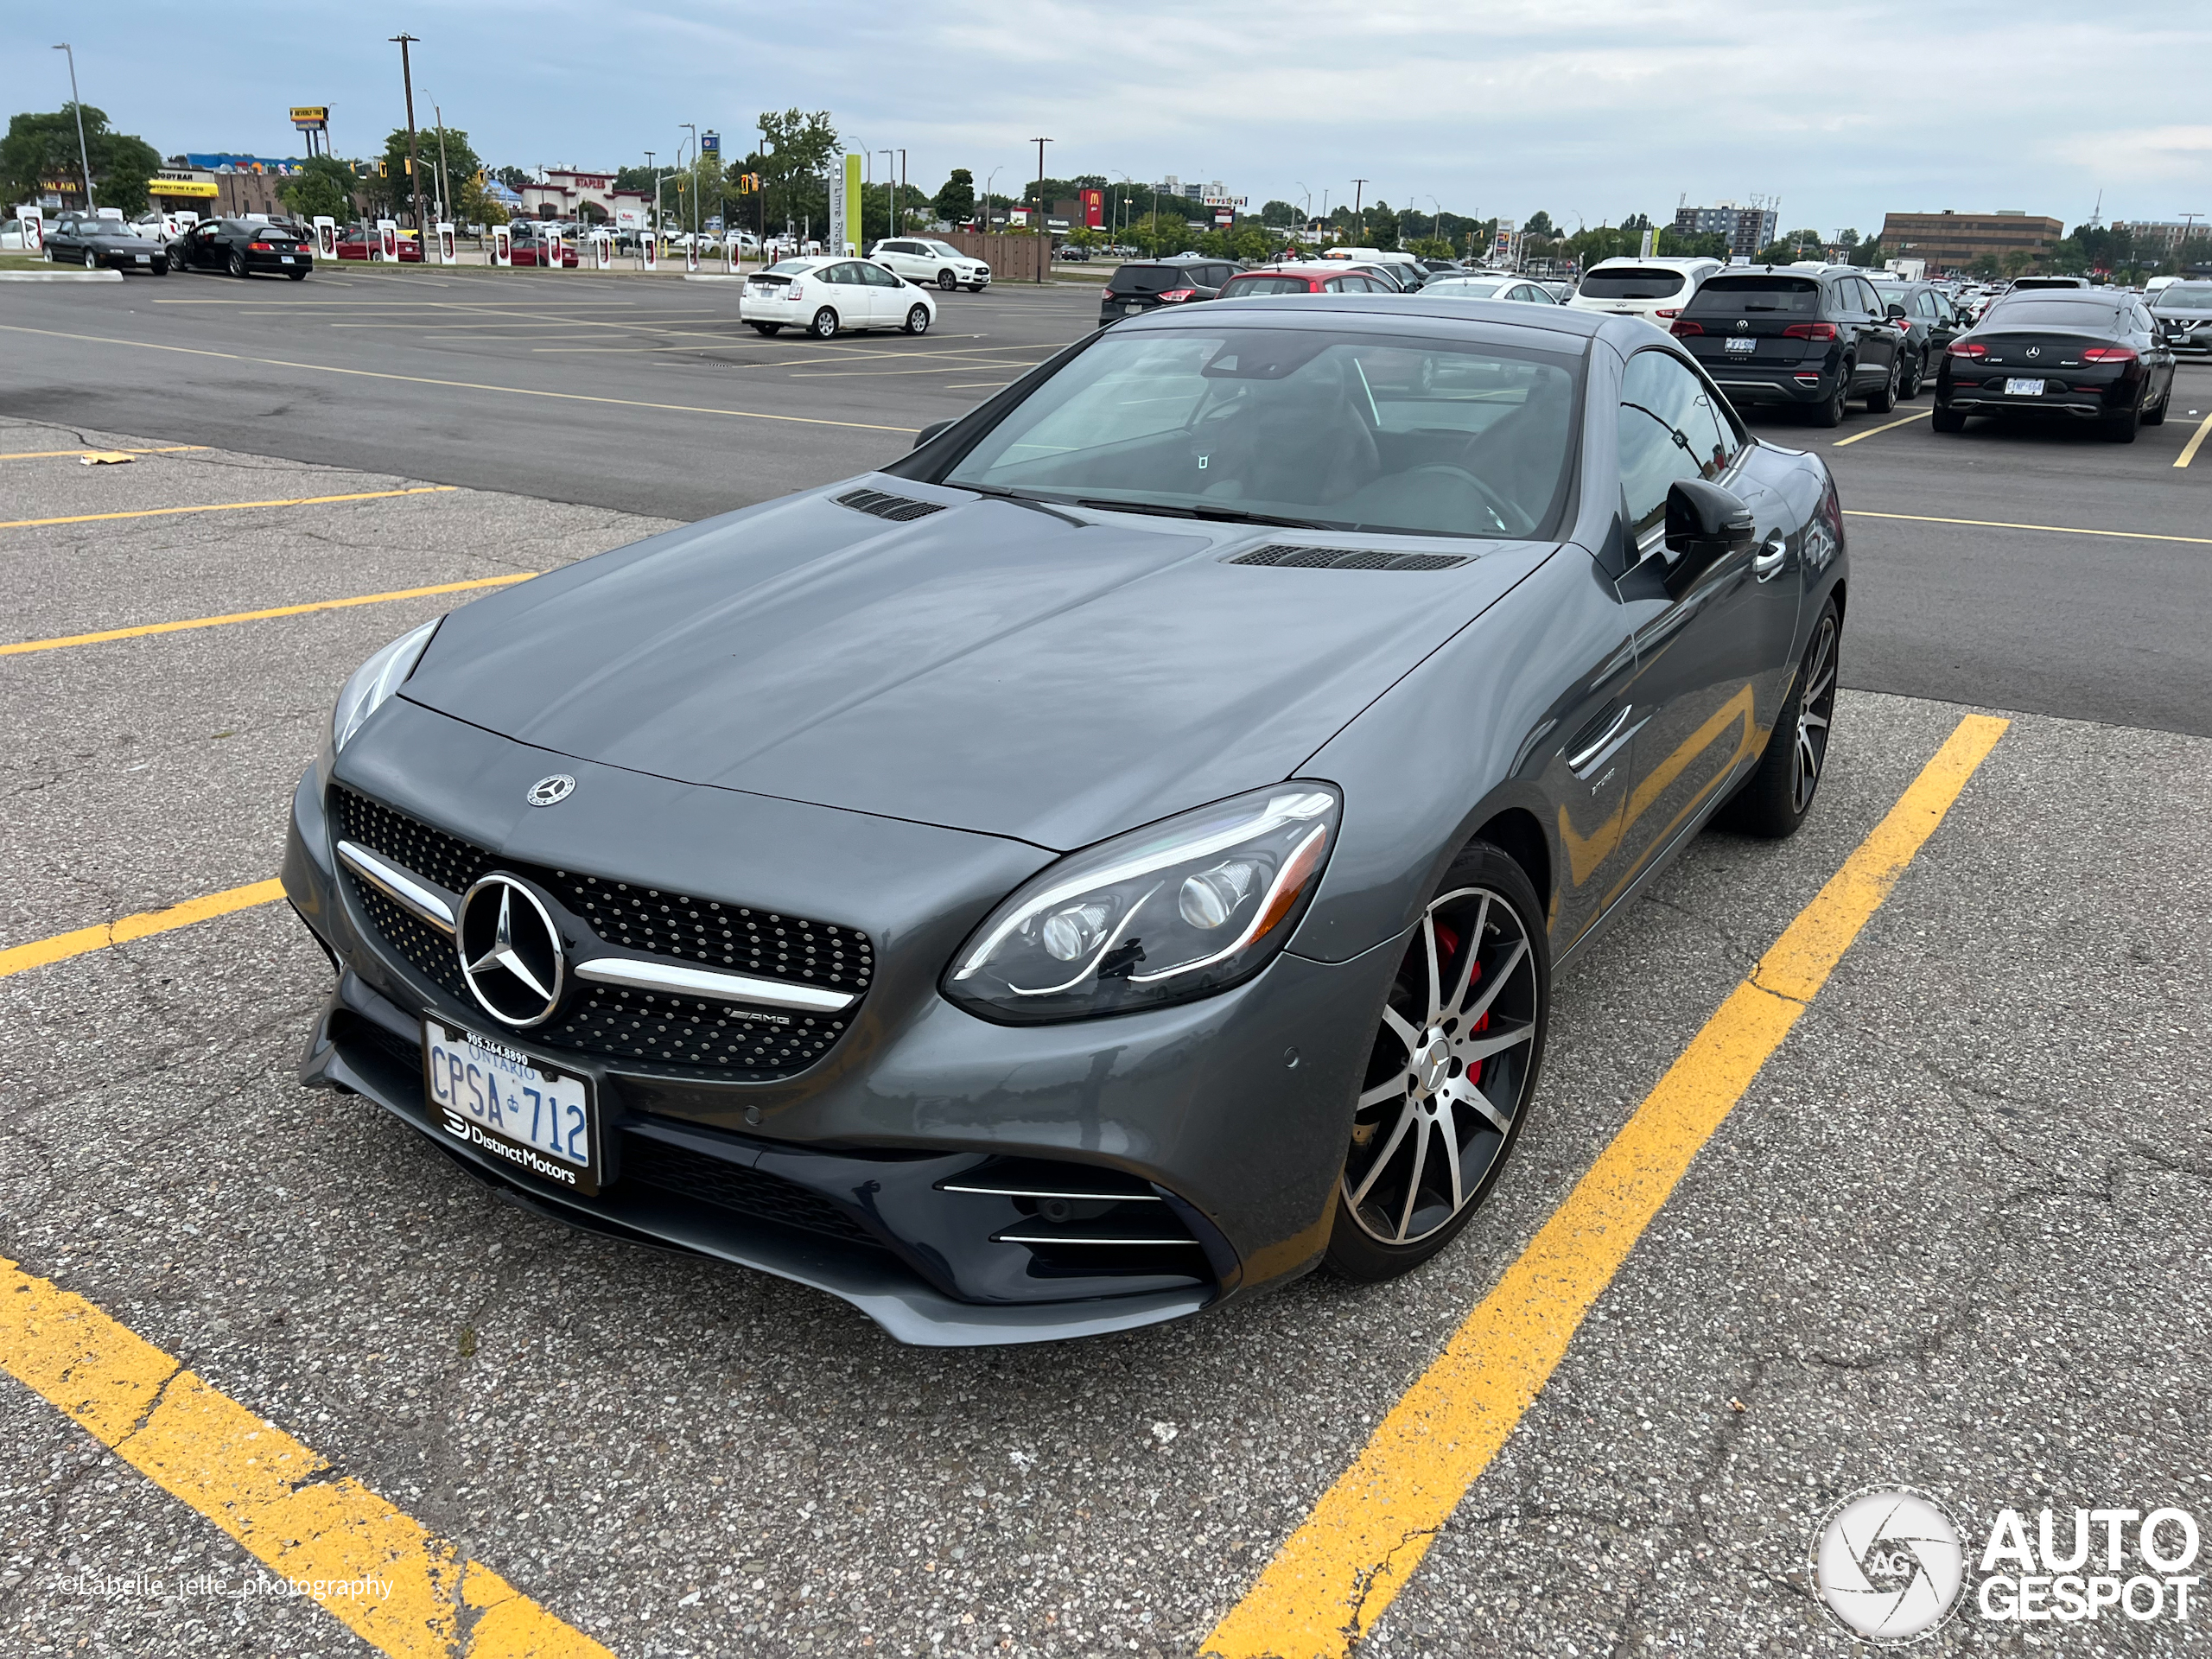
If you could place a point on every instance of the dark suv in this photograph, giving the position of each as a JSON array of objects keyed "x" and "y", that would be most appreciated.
[
  {"x": 1929, "y": 325},
  {"x": 1146, "y": 287},
  {"x": 1806, "y": 338}
]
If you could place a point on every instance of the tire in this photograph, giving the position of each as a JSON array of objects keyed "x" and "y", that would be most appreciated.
[
  {"x": 1911, "y": 390},
  {"x": 237, "y": 263},
  {"x": 1946, "y": 420},
  {"x": 297, "y": 275},
  {"x": 768, "y": 328},
  {"x": 918, "y": 320},
  {"x": 160, "y": 268},
  {"x": 824, "y": 325},
  {"x": 1829, "y": 412},
  {"x": 92, "y": 260},
  {"x": 1402, "y": 1196},
  {"x": 2157, "y": 417},
  {"x": 1781, "y": 789},
  {"x": 1882, "y": 402},
  {"x": 947, "y": 282},
  {"x": 2120, "y": 428}
]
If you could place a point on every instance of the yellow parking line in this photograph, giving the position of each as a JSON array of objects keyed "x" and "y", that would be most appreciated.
[
  {"x": 227, "y": 507},
  {"x": 1333, "y": 1577},
  {"x": 462, "y": 385},
  {"x": 2053, "y": 529},
  {"x": 55, "y": 454},
  {"x": 379, "y": 1573},
  {"x": 2196, "y": 442},
  {"x": 144, "y": 629},
  {"x": 1876, "y": 432},
  {"x": 85, "y": 940}
]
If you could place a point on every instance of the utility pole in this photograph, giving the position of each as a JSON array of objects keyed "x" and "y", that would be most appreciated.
[
  {"x": 891, "y": 190},
  {"x": 77, "y": 107},
  {"x": 1041, "y": 230},
  {"x": 899, "y": 200},
  {"x": 654, "y": 230},
  {"x": 403, "y": 40}
]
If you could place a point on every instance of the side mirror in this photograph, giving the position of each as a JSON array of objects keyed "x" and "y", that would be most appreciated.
[
  {"x": 1705, "y": 523},
  {"x": 1895, "y": 310},
  {"x": 935, "y": 427}
]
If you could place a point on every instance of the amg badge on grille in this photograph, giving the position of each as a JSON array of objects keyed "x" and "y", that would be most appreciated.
[{"x": 551, "y": 792}]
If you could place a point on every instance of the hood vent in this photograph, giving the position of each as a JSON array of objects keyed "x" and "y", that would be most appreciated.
[
  {"x": 900, "y": 509},
  {"x": 1340, "y": 558}
]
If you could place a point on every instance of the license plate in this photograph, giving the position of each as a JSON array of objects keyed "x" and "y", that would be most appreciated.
[
  {"x": 285, "y": 257},
  {"x": 499, "y": 1100},
  {"x": 1740, "y": 345},
  {"x": 1131, "y": 310},
  {"x": 2022, "y": 388},
  {"x": 144, "y": 259}
]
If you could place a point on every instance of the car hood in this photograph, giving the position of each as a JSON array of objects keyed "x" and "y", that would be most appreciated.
[{"x": 987, "y": 667}]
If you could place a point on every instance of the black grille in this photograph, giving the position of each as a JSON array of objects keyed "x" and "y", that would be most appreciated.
[
  {"x": 736, "y": 1186},
  {"x": 897, "y": 508},
  {"x": 730, "y": 1043},
  {"x": 1338, "y": 558}
]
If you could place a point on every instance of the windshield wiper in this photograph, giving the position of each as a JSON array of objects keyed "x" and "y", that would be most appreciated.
[
  {"x": 1216, "y": 515},
  {"x": 1021, "y": 501}
]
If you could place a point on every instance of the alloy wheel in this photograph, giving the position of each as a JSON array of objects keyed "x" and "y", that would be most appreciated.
[
  {"x": 1450, "y": 1071},
  {"x": 918, "y": 320},
  {"x": 92, "y": 260},
  {"x": 1816, "y": 709}
]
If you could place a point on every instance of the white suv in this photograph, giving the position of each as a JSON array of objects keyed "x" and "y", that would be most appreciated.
[
  {"x": 1654, "y": 289},
  {"x": 926, "y": 260}
]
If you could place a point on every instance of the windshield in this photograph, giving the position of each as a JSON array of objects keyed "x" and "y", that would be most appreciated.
[
  {"x": 1752, "y": 295},
  {"x": 1466, "y": 287},
  {"x": 2190, "y": 296},
  {"x": 1626, "y": 282},
  {"x": 1303, "y": 426}
]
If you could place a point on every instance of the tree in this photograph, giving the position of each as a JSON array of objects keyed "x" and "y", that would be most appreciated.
[
  {"x": 1160, "y": 234},
  {"x": 793, "y": 162},
  {"x": 1868, "y": 253},
  {"x": 1540, "y": 223},
  {"x": 42, "y": 148},
  {"x": 391, "y": 191},
  {"x": 1672, "y": 244},
  {"x": 1846, "y": 238},
  {"x": 325, "y": 186},
  {"x": 1984, "y": 265},
  {"x": 955, "y": 200},
  {"x": 2015, "y": 262},
  {"x": 1278, "y": 213},
  {"x": 513, "y": 177}
]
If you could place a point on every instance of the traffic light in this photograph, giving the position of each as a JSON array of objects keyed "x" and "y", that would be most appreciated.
[
  {"x": 383, "y": 170},
  {"x": 747, "y": 183}
]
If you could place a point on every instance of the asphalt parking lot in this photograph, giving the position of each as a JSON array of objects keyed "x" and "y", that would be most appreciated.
[{"x": 1951, "y": 1233}]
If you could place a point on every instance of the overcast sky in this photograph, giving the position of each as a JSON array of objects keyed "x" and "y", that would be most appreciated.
[{"x": 1589, "y": 108}]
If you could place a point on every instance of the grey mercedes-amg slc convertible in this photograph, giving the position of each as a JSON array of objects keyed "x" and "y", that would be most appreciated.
[{"x": 1116, "y": 857}]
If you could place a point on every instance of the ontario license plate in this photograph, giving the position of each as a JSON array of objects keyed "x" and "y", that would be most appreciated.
[
  {"x": 2022, "y": 388},
  {"x": 1740, "y": 345},
  {"x": 1131, "y": 310},
  {"x": 285, "y": 257},
  {"x": 498, "y": 1100},
  {"x": 144, "y": 259}
]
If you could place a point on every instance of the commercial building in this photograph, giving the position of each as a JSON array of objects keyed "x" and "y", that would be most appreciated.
[
  {"x": 562, "y": 192},
  {"x": 1952, "y": 241},
  {"x": 1748, "y": 229},
  {"x": 2162, "y": 236}
]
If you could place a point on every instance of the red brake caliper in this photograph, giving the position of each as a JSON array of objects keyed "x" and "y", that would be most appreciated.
[{"x": 1447, "y": 939}]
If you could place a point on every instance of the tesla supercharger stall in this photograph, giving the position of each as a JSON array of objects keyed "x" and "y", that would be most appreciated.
[
  {"x": 388, "y": 240},
  {"x": 729, "y": 255},
  {"x": 503, "y": 247},
  {"x": 34, "y": 230},
  {"x": 650, "y": 247},
  {"x": 691, "y": 254},
  {"x": 602, "y": 250},
  {"x": 551, "y": 247},
  {"x": 445, "y": 244},
  {"x": 326, "y": 237}
]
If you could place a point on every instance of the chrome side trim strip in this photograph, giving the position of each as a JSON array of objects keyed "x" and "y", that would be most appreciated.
[
  {"x": 1041, "y": 1192},
  {"x": 703, "y": 982},
  {"x": 404, "y": 887},
  {"x": 1056, "y": 1238}
]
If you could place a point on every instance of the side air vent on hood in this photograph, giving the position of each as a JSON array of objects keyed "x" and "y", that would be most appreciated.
[
  {"x": 1339, "y": 558},
  {"x": 897, "y": 508}
]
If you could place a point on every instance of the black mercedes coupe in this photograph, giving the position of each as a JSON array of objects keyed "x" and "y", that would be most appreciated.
[
  {"x": 2091, "y": 355},
  {"x": 1113, "y": 859}
]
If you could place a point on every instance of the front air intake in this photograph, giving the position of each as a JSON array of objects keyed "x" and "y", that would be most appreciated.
[
  {"x": 900, "y": 509},
  {"x": 1347, "y": 559}
]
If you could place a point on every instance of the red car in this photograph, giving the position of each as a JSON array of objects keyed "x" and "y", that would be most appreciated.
[
  {"x": 358, "y": 242},
  {"x": 532, "y": 251},
  {"x": 1303, "y": 277}
]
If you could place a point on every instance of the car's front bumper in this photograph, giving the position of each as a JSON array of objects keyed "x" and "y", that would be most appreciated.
[{"x": 1228, "y": 1116}]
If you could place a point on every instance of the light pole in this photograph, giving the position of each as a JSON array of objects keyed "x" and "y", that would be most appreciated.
[
  {"x": 1358, "y": 195},
  {"x": 403, "y": 40},
  {"x": 990, "y": 178},
  {"x": 650, "y": 168},
  {"x": 445, "y": 211},
  {"x": 898, "y": 200},
  {"x": 77, "y": 108},
  {"x": 891, "y": 192},
  {"x": 1047, "y": 234},
  {"x": 693, "y": 129}
]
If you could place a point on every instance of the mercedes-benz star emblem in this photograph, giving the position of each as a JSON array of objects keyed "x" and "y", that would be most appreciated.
[
  {"x": 510, "y": 951},
  {"x": 2035, "y": 351},
  {"x": 1743, "y": 325},
  {"x": 551, "y": 792}
]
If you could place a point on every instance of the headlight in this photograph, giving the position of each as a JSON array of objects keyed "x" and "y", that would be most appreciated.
[
  {"x": 1179, "y": 909},
  {"x": 373, "y": 683}
]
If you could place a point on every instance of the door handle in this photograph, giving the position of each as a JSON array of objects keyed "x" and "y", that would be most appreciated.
[
  {"x": 1596, "y": 747},
  {"x": 1768, "y": 560}
]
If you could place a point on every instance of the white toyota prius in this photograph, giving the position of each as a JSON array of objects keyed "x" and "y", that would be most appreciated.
[{"x": 822, "y": 295}]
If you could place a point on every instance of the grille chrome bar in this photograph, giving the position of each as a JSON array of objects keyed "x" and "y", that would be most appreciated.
[
  {"x": 1003, "y": 1190},
  {"x": 1185, "y": 1243},
  {"x": 404, "y": 887},
  {"x": 700, "y": 981}
]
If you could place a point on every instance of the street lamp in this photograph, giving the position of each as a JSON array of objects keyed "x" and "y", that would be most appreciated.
[
  {"x": 694, "y": 130},
  {"x": 990, "y": 178},
  {"x": 77, "y": 108},
  {"x": 654, "y": 171},
  {"x": 890, "y": 193}
]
